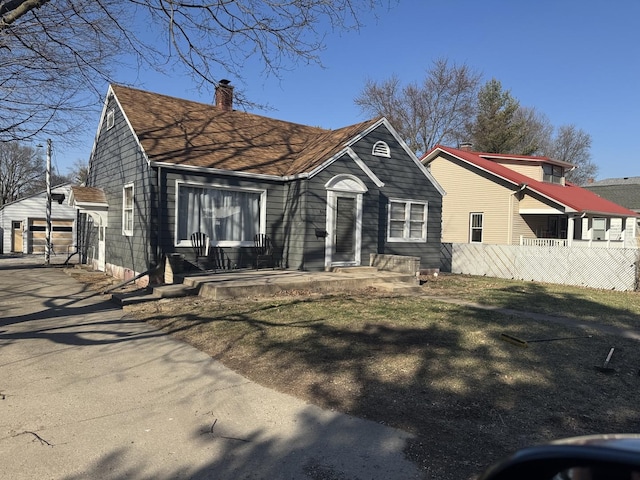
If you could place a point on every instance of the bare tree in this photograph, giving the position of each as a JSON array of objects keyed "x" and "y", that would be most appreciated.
[
  {"x": 573, "y": 145},
  {"x": 433, "y": 112},
  {"x": 535, "y": 132},
  {"x": 55, "y": 56},
  {"x": 21, "y": 168},
  {"x": 78, "y": 172}
]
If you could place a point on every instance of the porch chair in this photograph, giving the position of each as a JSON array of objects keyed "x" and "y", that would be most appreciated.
[
  {"x": 200, "y": 245},
  {"x": 263, "y": 251}
]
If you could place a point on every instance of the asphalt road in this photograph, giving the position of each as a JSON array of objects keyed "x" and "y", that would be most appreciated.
[{"x": 87, "y": 393}]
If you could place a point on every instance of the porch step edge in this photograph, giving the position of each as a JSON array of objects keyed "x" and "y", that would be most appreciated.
[
  {"x": 398, "y": 288},
  {"x": 354, "y": 269},
  {"x": 175, "y": 290},
  {"x": 157, "y": 293}
]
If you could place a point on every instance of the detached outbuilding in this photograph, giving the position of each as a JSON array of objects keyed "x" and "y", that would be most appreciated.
[
  {"x": 166, "y": 168},
  {"x": 23, "y": 223}
]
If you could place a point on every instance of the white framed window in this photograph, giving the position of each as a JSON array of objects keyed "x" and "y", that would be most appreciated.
[
  {"x": 127, "y": 210},
  {"x": 407, "y": 221},
  {"x": 110, "y": 119},
  {"x": 230, "y": 217},
  {"x": 381, "y": 149},
  {"x": 476, "y": 221},
  {"x": 599, "y": 229}
]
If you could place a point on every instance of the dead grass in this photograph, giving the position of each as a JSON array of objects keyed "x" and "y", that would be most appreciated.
[{"x": 432, "y": 368}]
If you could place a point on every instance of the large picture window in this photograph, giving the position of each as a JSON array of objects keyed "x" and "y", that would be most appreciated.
[
  {"x": 228, "y": 217},
  {"x": 407, "y": 221}
]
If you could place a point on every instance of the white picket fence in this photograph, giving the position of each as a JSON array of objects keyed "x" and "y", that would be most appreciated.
[{"x": 611, "y": 269}]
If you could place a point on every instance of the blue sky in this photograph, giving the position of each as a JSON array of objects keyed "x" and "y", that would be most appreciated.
[{"x": 577, "y": 62}]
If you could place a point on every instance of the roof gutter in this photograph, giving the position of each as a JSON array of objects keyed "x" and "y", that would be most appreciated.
[
  {"x": 608, "y": 214},
  {"x": 218, "y": 171}
]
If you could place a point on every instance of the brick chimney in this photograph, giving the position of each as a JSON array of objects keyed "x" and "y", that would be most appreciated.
[
  {"x": 466, "y": 146},
  {"x": 224, "y": 95}
]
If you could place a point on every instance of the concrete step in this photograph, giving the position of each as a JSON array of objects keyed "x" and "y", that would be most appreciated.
[
  {"x": 132, "y": 298},
  {"x": 354, "y": 270},
  {"x": 161, "y": 291},
  {"x": 175, "y": 290},
  {"x": 398, "y": 288}
]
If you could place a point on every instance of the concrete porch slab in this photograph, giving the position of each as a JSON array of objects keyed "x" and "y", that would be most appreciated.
[
  {"x": 252, "y": 283},
  {"x": 224, "y": 285}
]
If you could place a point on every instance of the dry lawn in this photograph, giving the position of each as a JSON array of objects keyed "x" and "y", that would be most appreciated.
[{"x": 436, "y": 369}]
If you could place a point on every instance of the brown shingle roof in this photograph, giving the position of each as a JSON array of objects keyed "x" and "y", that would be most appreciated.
[
  {"x": 182, "y": 132},
  {"x": 88, "y": 194}
]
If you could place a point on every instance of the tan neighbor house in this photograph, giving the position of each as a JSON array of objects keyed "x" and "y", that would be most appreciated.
[{"x": 523, "y": 200}]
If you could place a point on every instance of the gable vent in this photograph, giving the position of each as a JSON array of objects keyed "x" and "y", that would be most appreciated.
[{"x": 381, "y": 149}]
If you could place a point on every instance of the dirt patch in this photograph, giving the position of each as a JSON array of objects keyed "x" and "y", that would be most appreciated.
[{"x": 438, "y": 370}]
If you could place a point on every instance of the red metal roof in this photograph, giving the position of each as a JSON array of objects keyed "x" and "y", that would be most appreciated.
[{"x": 569, "y": 195}]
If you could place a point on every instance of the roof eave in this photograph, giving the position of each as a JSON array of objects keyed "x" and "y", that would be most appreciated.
[
  {"x": 611, "y": 214},
  {"x": 234, "y": 173}
]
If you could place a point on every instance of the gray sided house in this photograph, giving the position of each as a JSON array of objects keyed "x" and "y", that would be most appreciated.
[
  {"x": 23, "y": 224},
  {"x": 163, "y": 168},
  {"x": 623, "y": 191}
]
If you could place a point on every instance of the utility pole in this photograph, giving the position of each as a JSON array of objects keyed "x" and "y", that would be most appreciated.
[{"x": 47, "y": 247}]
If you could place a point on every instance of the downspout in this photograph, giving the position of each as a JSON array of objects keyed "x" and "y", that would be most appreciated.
[
  {"x": 158, "y": 205},
  {"x": 521, "y": 188},
  {"x": 305, "y": 223}
]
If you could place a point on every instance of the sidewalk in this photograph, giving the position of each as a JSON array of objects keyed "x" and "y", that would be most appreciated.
[{"x": 88, "y": 393}]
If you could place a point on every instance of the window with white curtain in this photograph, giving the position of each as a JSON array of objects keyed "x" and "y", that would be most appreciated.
[{"x": 229, "y": 217}]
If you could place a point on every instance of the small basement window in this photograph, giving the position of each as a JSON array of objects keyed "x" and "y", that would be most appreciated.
[{"x": 381, "y": 149}]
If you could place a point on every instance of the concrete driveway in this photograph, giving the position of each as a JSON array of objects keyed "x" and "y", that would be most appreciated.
[{"x": 88, "y": 393}]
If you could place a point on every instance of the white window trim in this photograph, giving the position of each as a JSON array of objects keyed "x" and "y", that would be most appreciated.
[
  {"x": 111, "y": 119},
  {"x": 407, "y": 221},
  {"x": 125, "y": 232},
  {"x": 381, "y": 149},
  {"x": 225, "y": 243},
  {"x": 471, "y": 214}
]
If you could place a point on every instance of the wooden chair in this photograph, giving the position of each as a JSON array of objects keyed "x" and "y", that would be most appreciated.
[
  {"x": 263, "y": 251},
  {"x": 200, "y": 245}
]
